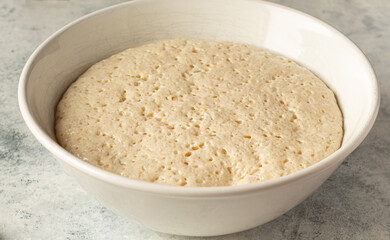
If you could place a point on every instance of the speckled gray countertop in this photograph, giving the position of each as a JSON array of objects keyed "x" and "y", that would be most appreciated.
[{"x": 39, "y": 201}]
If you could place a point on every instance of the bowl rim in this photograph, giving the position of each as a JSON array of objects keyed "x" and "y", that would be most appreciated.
[{"x": 180, "y": 191}]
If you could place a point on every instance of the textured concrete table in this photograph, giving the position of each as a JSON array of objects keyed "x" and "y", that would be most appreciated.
[{"x": 39, "y": 201}]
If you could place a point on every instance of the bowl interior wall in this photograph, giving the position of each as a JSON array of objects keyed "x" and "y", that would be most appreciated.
[{"x": 310, "y": 43}]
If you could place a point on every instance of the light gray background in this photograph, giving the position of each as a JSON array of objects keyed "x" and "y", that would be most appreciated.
[{"x": 39, "y": 201}]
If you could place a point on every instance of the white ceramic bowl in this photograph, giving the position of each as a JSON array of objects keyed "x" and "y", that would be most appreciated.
[{"x": 185, "y": 210}]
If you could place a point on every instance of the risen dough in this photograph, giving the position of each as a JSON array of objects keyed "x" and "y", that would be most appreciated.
[{"x": 199, "y": 113}]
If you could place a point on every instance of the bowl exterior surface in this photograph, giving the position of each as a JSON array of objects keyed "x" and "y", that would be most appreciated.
[{"x": 199, "y": 216}]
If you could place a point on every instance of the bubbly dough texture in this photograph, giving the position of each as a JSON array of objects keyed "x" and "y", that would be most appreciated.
[{"x": 199, "y": 113}]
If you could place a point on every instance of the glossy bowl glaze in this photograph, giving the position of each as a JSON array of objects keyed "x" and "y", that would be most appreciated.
[{"x": 189, "y": 210}]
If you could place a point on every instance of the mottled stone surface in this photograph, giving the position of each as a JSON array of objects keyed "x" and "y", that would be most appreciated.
[{"x": 39, "y": 201}]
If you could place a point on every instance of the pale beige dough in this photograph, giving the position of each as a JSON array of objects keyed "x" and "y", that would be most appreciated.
[{"x": 199, "y": 113}]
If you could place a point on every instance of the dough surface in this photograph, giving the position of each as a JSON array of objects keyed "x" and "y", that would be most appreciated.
[{"x": 199, "y": 113}]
